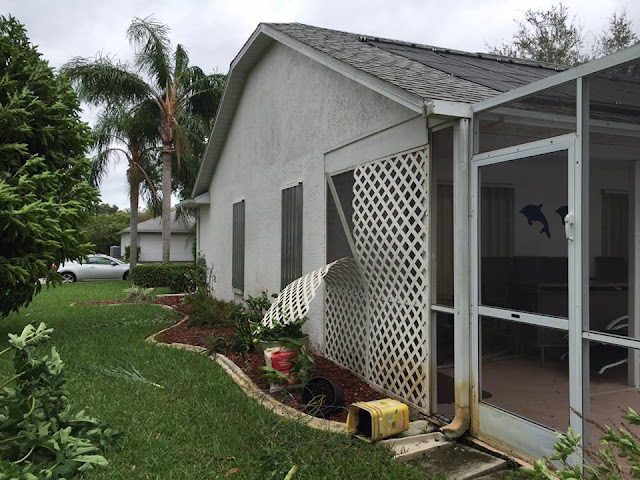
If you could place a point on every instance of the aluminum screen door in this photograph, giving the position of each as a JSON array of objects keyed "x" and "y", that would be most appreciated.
[
  {"x": 380, "y": 330},
  {"x": 521, "y": 309}
]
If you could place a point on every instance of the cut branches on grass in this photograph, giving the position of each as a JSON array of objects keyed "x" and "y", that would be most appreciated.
[
  {"x": 40, "y": 435},
  {"x": 125, "y": 372}
]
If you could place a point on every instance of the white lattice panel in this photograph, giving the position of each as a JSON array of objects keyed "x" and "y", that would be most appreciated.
[
  {"x": 293, "y": 302},
  {"x": 380, "y": 330},
  {"x": 346, "y": 306}
]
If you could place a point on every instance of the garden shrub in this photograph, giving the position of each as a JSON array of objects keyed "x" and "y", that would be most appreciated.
[
  {"x": 207, "y": 310},
  {"x": 139, "y": 294},
  {"x": 176, "y": 276},
  {"x": 617, "y": 458}
]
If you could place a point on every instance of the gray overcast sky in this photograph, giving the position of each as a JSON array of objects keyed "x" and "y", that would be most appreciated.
[{"x": 214, "y": 31}]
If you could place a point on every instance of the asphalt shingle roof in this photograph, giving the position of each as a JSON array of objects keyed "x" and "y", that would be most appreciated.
[{"x": 429, "y": 72}]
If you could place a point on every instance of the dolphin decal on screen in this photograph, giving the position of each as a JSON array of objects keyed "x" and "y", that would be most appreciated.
[
  {"x": 563, "y": 211},
  {"x": 534, "y": 214}
]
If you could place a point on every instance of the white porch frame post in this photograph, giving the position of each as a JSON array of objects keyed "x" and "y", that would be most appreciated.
[
  {"x": 432, "y": 324},
  {"x": 461, "y": 275},
  {"x": 633, "y": 290},
  {"x": 579, "y": 274}
]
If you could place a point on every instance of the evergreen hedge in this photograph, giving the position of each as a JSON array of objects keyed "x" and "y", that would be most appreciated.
[{"x": 177, "y": 276}]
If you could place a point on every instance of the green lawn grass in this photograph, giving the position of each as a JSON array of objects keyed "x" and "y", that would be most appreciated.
[{"x": 200, "y": 425}]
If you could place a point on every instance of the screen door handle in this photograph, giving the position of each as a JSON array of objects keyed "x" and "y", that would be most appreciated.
[{"x": 569, "y": 226}]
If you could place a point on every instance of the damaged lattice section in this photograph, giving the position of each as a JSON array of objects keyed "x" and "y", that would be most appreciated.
[
  {"x": 346, "y": 312},
  {"x": 376, "y": 305},
  {"x": 293, "y": 302}
]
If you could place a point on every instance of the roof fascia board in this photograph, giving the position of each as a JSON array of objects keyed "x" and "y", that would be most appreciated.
[
  {"x": 447, "y": 108},
  {"x": 198, "y": 201},
  {"x": 392, "y": 92},
  {"x": 594, "y": 66}
]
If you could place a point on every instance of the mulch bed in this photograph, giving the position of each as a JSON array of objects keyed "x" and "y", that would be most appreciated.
[{"x": 355, "y": 390}]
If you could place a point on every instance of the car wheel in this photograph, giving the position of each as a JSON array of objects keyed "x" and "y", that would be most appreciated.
[
  {"x": 126, "y": 276},
  {"x": 68, "y": 277}
]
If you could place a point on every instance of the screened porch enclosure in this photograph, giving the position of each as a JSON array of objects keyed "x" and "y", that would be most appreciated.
[{"x": 556, "y": 255}]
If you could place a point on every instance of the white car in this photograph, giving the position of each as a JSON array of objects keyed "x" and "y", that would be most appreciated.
[{"x": 94, "y": 267}]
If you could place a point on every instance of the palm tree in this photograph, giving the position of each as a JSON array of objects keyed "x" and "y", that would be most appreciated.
[
  {"x": 129, "y": 133},
  {"x": 184, "y": 95}
]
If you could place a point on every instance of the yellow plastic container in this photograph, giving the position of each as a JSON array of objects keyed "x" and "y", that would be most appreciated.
[{"x": 377, "y": 419}]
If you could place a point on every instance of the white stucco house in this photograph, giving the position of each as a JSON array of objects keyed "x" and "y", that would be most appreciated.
[
  {"x": 489, "y": 207},
  {"x": 150, "y": 239}
]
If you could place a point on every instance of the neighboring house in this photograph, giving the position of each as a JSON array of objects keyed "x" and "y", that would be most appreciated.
[
  {"x": 489, "y": 206},
  {"x": 150, "y": 239}
]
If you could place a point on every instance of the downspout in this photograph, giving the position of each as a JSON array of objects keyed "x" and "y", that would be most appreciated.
[{"x": 461, "y": 283}]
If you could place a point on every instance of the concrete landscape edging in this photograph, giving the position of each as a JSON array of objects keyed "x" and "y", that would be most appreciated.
[{"x": 250, "y": 388}]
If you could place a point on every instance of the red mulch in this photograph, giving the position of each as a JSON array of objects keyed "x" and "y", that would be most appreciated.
[{"x": 355, "y": 390}]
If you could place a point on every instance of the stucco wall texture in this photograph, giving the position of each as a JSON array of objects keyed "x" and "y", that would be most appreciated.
[
  {"x": 151, "y": 246},
  {"x": 293, "y": 113}
]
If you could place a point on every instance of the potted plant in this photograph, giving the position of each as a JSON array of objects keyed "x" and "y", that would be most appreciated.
[
  {"x": 294, "y": 364},
  {"x": 280, "y": 334}
]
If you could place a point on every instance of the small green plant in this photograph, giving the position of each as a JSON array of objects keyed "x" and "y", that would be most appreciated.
[
  {"x": 302, "y": 365},
  {"x": 140, "y": 294},
  {"x": 40, "y": 436},
  {"x": 201, "y": 277},
  {"x": 257, "y": 307},
  {"x": 208, "y": 310},
  {"x": 215, "y": 344},
  {"x": 244, "y": 319},
  {"x": 275, "y": 377},
  {"x": 242, "y": 340},
  {"x": 279, "y": 330},
  {"x": 603, "y": 463}
]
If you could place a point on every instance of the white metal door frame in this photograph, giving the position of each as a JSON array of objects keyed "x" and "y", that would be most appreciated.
[{"x": 524, "y": 435}]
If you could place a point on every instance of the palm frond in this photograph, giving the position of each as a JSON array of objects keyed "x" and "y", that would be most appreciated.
[
  {"x": 124, "y": 372},
  {"x": 181, "y": 63},
  {"x": 149, "y": 182},
  {"x": 206, "y": 96},
  {"x": 105, "y": 80},
  {"x": 100, "y": 164},
  {"x": 150, "y": 39}
]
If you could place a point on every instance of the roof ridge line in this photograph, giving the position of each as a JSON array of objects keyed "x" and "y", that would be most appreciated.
[{"x": 500, "y": 58}]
